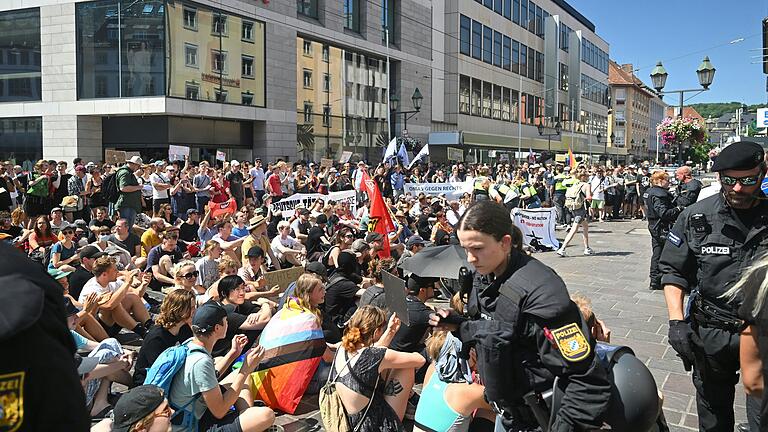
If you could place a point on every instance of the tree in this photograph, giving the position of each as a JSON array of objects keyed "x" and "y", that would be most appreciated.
[{"x": 699, "y": 152}]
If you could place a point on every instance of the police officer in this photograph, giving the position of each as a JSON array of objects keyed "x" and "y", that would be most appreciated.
[
  {"x": 481, "y": 185},
  {"x": 505, "y": 194},
  {"x": 710, "y": 245},
  {"x": 688, "y": 188},
  {"x": 662, "y": 213},
  {"x": 526, "y": 330},
  {"x": 558, "y": 193}
]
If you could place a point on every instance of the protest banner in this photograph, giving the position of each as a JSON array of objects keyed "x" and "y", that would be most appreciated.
[
  {"x": 345, "y": 155},
  {"x": 283, "y": 278},
  {"x": 221, "y": 156},
  {"x": 288, "y": 205},
  {"x": 223, "y": 208},
  {"x": 326, "y": 163},
  {"x": 114, "y": 157},
  {"x": 538, "y": 227},
  {"x": 177, "y": 152},
  {"x": 454, "y": 154},
  {"x": 452, "y": 191}
]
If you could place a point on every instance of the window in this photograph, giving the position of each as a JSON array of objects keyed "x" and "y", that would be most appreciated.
[
  {"x": 464, "y": 90},
  {"x": 563, "y": 77},
  {"x": 247, "y": 98},
  {"x": 539, "y": 67},
  {"x": 531, "y": 17},
  {"x": 247, "y": 71},
  {"x": 307, "y": 112},
  {"x": 307, "y": 48},
  {"x": 523, "y": 60},
  {"x": 307, "y": 8},
  {"x": 352, "y": 15},
  {"x": 497, "y": 48},
  {"x": 487, "y": 45},
  {"x": 476, "y": 95},
  {"x": 515, "y": 56},
  {"x": 307, "y": 78},
  {"x": 516, "y": 11},
  {"x": 531, "y": 63},
  {"x": 190, "y": 55},
  {"x": 388, "y": 22},
  {"x": 621, "y": 95},
  {"x": 192, "y": 91},
  {"x": 101, "y": 86},
  {"x": 497, "y": 7},
  {"x": 326, "y": 116},
  {"x": 326, "y": 82},
  {"x": 496, "y": 102},
  {"x": 524, "y": 13},
  {"x": 465, "y": 35},
  {"x": 190, "y": 18},
  {"x": 505, "y": 105},
  {"x": 221, "y": 95},
  {"x": 219, "y": 24},
  {"x": 506, "y": 56},
  {"x": 219, "y": 61},
  {"x": 326, "y": 53},
  {"x": 247, "y": 34},
  {"x": 565, "y": 33},
  {"x": 507, "y": 9},
  {"x": 488, "y": 4},
  {"x": 620, "y": 115},
  {"x": 21, "y": 34},
  {"x": 477, "y": 40},
  {"x": 514, "y": 104},
  {"x": 539, "y": 22},
  {"x": 487, "y": 95}
]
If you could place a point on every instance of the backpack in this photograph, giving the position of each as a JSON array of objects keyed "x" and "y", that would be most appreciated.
[
  {"x": 161, "y": 374},
  {"x": 109, "y": 188},
  {"x": 332, "y": 410},
  {"x": 575, "y": 196}
]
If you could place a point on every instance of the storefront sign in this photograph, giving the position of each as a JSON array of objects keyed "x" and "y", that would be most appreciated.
[
  {"x": 228, "y": 82},
  {"x": 452, "y": 191}
]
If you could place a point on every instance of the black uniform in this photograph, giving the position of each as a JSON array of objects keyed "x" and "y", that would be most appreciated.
[
  {"x": 706, "y": 252},
  {"x": 527, "y": 331},
  {"x": 687, "y": 193},
  {"x": 661, "y": 213}
]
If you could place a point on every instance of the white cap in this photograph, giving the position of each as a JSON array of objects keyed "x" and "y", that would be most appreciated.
[{"x": 234, "y": 162}]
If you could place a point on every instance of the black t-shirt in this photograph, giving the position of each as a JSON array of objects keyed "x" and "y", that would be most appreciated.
[
  {"x": 411, "y": 338},
  {"x": 5, "y": 195},
  {"x": 128, "y": 244},
  {"x": 235, "y": 180},
  {"x": 12, "y": 231},
  {"x": 77, "y": 280},
  {"x": 62, "y": 190},
  {"x": 236, "y": 316},
  {"x": 374, "y": 296},
  {"x": 97, "y": 223},
  {"x": 644, "y": 182},
  {"x": 156, "y": 341},
  {"x": 188, "y": 232}
]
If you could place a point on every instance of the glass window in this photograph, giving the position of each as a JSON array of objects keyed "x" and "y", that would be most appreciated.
[
  {"x": 307, "y": 8},
  {"x": 497, "y": 48},
  {"x": 524, "y": 13},
  {"x": 247, "y": 67},
  {"x": 219, "y": 25},
  {"x": 515, "y": 104},
  {"x": 326, "y": 82},
  {"x": 515, "y": 56},
  {"x": 307, "y": 78},
  {"x": 21, "y": 138},
  {"x": 477, "y": 40},
  {"x": 531, "y": 63},
  {"x": 20, "y": 41},
  {"x": 307, "y": 48},
  {"x": 326, "y": 53},
  {"x": 247, "y": 31},
  {"x": 497, "y": 7},
  {"x": 221, "y": 95},
  {"x": 465, "y": 35},
  {"x": 192, "y": 91},
  {"x": 539, "y": 67},
  {"x": 506, "y": 57},
  {"x": 487, "y": 44},
  {"x": 464, "y": 90},
  {"x": 307, "y": 112},
  {"x": 563, "y": 77},
  {"x": 352, "y": 15},
  {"x": 523, "y": 60},
  {"x": 190, "y": 18},
  {"x": 247, "y": 98},
  {"x": 531, "y": 17},
  {"x": 488, "y": 4},
  {"x": 326, "y": 116},
  {"x": 477, "y": 87},
  {"x": 516, "y": 11},
  {"x": 219, "y": 61},
  {"x": 389, "y": 22},
  {"x": 539, "y": 21},
  {"x": 487, "y": 95},
  {"x": 496, "y": 102},
  {"x": 507, "y": 9},
  {"x": 190, "y": 55}
]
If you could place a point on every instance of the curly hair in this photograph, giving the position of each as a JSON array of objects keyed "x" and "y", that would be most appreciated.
[
  {"x": 362, "y": 327},
  {"x": 177, "y": 307},
  {"x": 304, "y": 286},
  {"x": 384, "y": 264},
  {"x": 226, "y": 262}
]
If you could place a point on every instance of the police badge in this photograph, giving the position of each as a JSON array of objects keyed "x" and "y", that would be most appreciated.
[
  {"x": 571, "y": 342},
  {"x": 11, "y": 401}
]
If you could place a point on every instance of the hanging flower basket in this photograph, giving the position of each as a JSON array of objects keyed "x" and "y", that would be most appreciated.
[{"x": 676, "y": 130}]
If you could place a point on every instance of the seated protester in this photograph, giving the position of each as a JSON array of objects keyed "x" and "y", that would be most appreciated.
[
  {"x": 316, "y": 244},
  {"x": 229, "y": 243},
  {"x": 597, "y": 327},
  {"x": 364, "y": 368},
  {"x": 289, "y": 251},
  {"x": 341, "y": 297},
  {"x": 300, "y": 225},
  {"x": 189, "y": 228},
  {"x": 82, "y": 273},
  {"x": 374, "y": 295},
  {"x": 6, "y": 227},
  {"x": 411, "y": 338},
  {"x": 252, "y": 273},
  {"x": 57, "y": 220},
  {"x": 257, "y": 236},
  {"x": 120, "y": 305},
  {"x": 227, "y": 267},
  {"x": 161, "y": 260},
  {"x": 423, "y": 225},
  {"x": 185, "y": 276},
  {"x": 125, "y": 238},
  {"x": 42, "y": 237},
  {"x": 314, "y": 268},
  {"x": 240, "y": 229},
  {"x": 140, "y": 409},
  {"x": 101, "y": 221},
  {"x": 198, "y": 377},
  {"x": 208, "y": 265},
  {"x": 344, "y": 237},
  {"x": 151, "y": 237},
  {"x": 243, "y": 317},
  {"x": 64, "y": 252},
  {"x": 122, "y": 256},
  {"x": 207, "y": 227},
  {"x": 450, "y": 396},
  {"x": 81, "y": 232},
  {"x": 114, "y": 366},
  {"x": 86, "y": 325},
  {"x": 172, "y": 327},
  {"x": 362, "y": 251},
  {"x": 412, "y": 246}
]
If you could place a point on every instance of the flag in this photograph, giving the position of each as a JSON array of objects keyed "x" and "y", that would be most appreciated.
[
  {"x": 403, "y": 155},
  {"x": 531, "y": 156},
  {"x": 391, "y": 150},
  {"x": 224, "y": 208},
  {"x": 379, "y": 219},
  {"x": 363, "y": 187},
  {"x": 423, "y": 153},
  {"x": 571, "y": 159}
]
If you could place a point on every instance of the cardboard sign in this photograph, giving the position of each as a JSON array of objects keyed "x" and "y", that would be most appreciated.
[
  {"x": 394, "y": 291},
  {"x": 177, "y": 152},
  {"x": 283, "y": 278},
  {"x": 326, "y": 163},
  {"x": 114, "y": 157},
  {"x": 221, "y": 156},
  {"x": 345, "y": 155}
]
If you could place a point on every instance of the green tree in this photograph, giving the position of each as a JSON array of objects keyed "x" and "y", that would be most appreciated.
[{"x": 699, "y": 153}]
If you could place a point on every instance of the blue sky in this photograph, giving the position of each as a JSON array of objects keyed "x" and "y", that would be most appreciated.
[{"x": 680, "y": 33}]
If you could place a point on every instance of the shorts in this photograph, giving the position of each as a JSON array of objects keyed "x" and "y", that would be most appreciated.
[
  {"x": 597, "y": 204},
  {"x": 579, "y": 215},
  {"x": 229, "y": 423},
  {"x": 630, "y": 198}
]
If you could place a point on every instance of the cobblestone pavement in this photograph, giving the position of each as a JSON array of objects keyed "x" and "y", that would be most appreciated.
[{"x": 616, "y": 279}]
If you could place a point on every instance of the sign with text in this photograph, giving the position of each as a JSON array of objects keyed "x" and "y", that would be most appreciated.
[
  {"x": 452, "y": 191},
  {"x": 326, "y": 163},
  {"x": 538, "y": 227},
  {"x": 283, "y": 278},
  {"x": 762, "y": 117},
  {"x": 177, "y": 152},
  {"x": 288, "y": 205},
  {"x": 454, "y": 154},
  {"x": 221, "y": 156},
  {"x": 345, "y": 155},
  {"x": 114, "y": 157}
]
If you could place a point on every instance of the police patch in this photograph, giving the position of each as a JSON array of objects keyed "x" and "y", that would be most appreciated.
[
  {"x": 11, "y": 401},
  {"x": 674, "y": 239},
  {"x": 571, "y": 342}
]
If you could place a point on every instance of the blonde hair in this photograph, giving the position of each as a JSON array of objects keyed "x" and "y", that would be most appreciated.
[
  {"x": 209, "y": 245},
  {"x": 584, "y": 304},
  {"x": 180, "y": 265},
  {"x": 755, "y": 279},
  {"x": 304, "y": 286},
  {"x": 435, "y": 343},
  {"x": 176, "y": 307},
  {"x": 362, "y": 328},
  {"x": 658, "y": 177},
  {"x": 226, "y": 262},
  {"x": 102, "y": 264}
]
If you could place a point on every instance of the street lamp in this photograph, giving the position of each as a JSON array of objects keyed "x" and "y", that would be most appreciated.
[
  {"x": 705, "y": 73},
  {"x": 558, "y": 129},
  {"x": 605, "y": 149},
  {"x": 394, "y": 104},
  {"x": 643, "y": 143}
]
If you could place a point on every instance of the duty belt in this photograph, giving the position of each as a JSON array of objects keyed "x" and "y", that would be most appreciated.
[{"x": 708, "y": 315}]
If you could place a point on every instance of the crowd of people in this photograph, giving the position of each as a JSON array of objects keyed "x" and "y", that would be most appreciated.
[{"x": 164, "y": 254}]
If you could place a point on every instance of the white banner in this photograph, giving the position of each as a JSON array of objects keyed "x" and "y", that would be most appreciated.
[
  {"x": 452, "y": 191},
  {"x": 538, "y": 226},
  {"x": 288, "y": 205}
]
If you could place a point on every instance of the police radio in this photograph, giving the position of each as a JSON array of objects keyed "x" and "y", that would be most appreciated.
[{"x": 465, "y": 281}]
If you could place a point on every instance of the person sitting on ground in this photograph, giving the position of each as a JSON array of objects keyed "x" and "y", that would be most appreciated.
[
  {"x": 120, "y": 305},
  {"x": 252, "y": 273},
  {"x": 101, "y": 221},
  {"x": 374, "y": 295},
  {"x": 64, "y": 252},
  {"x": 240, "y": 229},
  {"x": 57, "y": 220},
  {"x": 229, "y": 244},
  {"x": 227, "y": 267},
  {"x": 257, "y": 236},
  {"x": 172, "y": 327},
  {"x": 287, "y": 249},
  {"x": 161, "y": 260},
  {"x": 124, "y": 260},
  {"x": 597, "y": 327},
  {"x": 87, "y": 325},
  {"x": 301, "y": 225},
  {"x": 42, "y": 237},
  {"x": 189, "y": 228},
  {"x": 82, "y": 274},
  {"x": 344, "y": 238},
  {"x": 185, "y": 276},
  {"x": 151, "y": 237},
  {"x": 413, "y": 246},
  {"x": 208, "y": 265},
  {"x": 140, "y": 409},
  {"x": 243, "y": 317},
  {"x": 341, "y": 296},
  {"x": 125, "y": 238},
  {"x": 366, "y": 371},
  {"x": 411, "y": 338},
  {"x": 314, "y": 268}
]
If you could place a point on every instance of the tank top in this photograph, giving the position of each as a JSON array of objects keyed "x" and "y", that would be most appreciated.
[{"x": 433, "y": 412}]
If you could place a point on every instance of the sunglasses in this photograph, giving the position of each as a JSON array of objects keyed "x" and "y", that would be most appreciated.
[
  {"x": 67, "y": 232},
  {"x": 191, "y": 275},
  {"x": 349, "y": 236},
  {"x": 745, "y": 181}
]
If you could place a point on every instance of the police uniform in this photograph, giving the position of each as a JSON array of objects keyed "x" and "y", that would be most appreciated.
[
  {"x": 508, "y": 195},
  {"x": 480, "y": 188},
  {"x": 706, "y": 252},
  {"x": 39, "y": 386},
  {"x": 687, "y": 193},
  {"x": 558, "y": 196},
  {"x": 661, "y": 213},
  {"x": 526, "y": 321}
]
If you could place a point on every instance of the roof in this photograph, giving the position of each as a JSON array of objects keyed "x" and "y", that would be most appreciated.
[
  {"x": 621, "y": 75},
  {"x": 687, "y": 112}
]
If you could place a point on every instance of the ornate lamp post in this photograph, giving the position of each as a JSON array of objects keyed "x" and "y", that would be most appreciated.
[{"x": 558, "y": 129}]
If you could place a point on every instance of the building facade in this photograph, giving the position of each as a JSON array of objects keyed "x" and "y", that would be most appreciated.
[
  {"x": 292, "y": 79},
  {"x": 503, "y": 67}
]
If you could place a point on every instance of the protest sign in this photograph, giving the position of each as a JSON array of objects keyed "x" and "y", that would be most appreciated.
[
  {"x": 283, "y": 278},
  {"x": 221, "y": 156},
  {"x": 326, "y": 163},
  {"x": 455, "y": 154},
  {"x": 538, "y": 227},
  {"x": 288, "y": 205},
  {"x": 394, "y": 297},
  {"x": 452, "y": 191},
  {"x": 177, "y": 152},
  {"x": 223, "y": 208},
  {"x": 129, "y": 155},
  {"x": 113, "y": 157},
  {"x": 345, "y": 155}
]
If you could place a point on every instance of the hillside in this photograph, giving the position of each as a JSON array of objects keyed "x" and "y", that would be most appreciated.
[{"x": 718, "y": 109}]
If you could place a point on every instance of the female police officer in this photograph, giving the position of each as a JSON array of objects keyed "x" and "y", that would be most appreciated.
[
  {"x": 661, "y": 212},
  {"x": 525, "y": 328}
]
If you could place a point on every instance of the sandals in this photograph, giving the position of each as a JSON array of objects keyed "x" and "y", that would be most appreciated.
[{"x": 102, "y": 414}]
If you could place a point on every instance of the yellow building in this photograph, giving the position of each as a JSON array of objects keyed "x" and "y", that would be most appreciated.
[{"x": 631, "y": 118}]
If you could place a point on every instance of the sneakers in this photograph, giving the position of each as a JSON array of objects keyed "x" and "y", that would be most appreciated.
[
  {"x": 561, "y": 252},
  {"x": 589, "y": 251},
  {"x": 410, "y": 411}
]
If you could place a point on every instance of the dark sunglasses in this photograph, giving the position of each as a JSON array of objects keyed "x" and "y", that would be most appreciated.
[
  {"x": 191, "y": 275},
  {"x": 745, "y": 181},
  {"x": 65, "y": 232}
]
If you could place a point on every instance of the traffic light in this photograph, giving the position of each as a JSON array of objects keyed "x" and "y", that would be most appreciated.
[{"x": 765, "y": 45}]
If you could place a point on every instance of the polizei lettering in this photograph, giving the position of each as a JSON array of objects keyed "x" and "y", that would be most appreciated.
[{"x": 715, "y": 250}]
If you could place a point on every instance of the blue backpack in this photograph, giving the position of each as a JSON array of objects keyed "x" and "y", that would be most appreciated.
[{"x": 161, "y": 374}]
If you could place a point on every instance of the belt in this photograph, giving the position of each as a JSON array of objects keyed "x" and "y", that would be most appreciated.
[{"x": 709, "y": 315}]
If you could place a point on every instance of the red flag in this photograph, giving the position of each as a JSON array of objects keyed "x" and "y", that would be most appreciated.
[
  {"x": 220, "y": 209},
  {"x": 364, "y": 180},
  {"x": 379, "y": 219}
]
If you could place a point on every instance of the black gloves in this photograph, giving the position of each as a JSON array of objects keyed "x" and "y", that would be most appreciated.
[{"x": 681, "y": 338}]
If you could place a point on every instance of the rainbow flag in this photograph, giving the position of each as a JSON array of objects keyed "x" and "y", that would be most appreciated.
[
  {"x": 571, "y": 159},
  {"x": 293, "y": 343}
]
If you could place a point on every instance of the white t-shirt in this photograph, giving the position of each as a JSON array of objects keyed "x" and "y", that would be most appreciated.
[
  {"x": 159, "y": 178},
  {"x": 93, "y": 286},
  {"x": 258, "y": 178},
  {"x": 288, "y": 242},
  {"x": 598, "y": 186}
]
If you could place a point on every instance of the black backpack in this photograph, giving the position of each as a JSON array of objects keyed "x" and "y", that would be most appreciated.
[{"x": 109, "y": 188}]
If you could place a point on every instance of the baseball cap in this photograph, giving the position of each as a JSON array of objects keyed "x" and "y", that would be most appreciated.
[
  {"x": 58, "y": 273},
  {"x": 91, "y": 252},
  {"x": 317, "y": 268},
  {"x": 255, "y": 252},
  {"x": 742, "y": 155},
  {"x": 372, "y": 237},
  {"x": 208, "y": 316},
  {"x": 80, "y": 223},
  {"x": 359, "y": 246},
  {"x": 192, "y": 211},
  {"x": 134, "y": 405},
  {"x": 234, "y": 162},
  {"x": 55, "y": 209},
  {"x": 414, "y": 240},
  {"x": 414, "y": 283},
  {"x": 69, "y": 307},
  {"x": 159, "y": 163}
]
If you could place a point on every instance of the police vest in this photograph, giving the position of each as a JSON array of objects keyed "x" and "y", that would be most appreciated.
[
  {"x": 479, "y": 185},
  {"x": 559, "y": 180}
]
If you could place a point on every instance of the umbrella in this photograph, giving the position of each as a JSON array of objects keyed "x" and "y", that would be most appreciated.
[{"x": 437, "y": 262}]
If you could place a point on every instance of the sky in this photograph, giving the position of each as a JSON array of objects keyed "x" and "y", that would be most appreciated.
[{"x": 679, "y": 33}]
